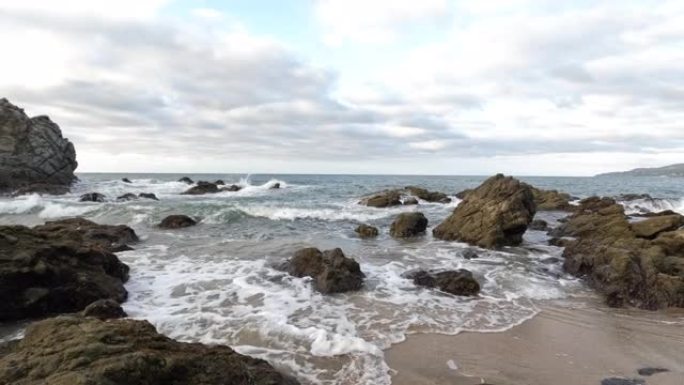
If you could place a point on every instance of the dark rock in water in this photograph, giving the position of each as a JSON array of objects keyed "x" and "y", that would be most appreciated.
[
  {"x": 626, "y": 269},
  {"x": 493, "y": 215},
  {"x": 187, "y": 180},
  {"x": 407, "y": 225},
  {"x": 126, "y": 180},
  {"x": 111, "y": 238},
  {"x": 32, "y": 150},
  {"x": 127, "y": 197},
  {"x": 470, "y": 254},
  {"x": 539, "y": 225},
  {"x": 177, "y": 222},
  {"x": 232, "y": 188},
  {"x": 552, "y": 200},
  {"x": 202, "y": 188},
  {"x": 92, "y": 197},
  {"x": 42, "y": 189},
  {"x": 220, "y": 182},
  {"x": 429, "y": 196},
  {"x": 104, "y": 309},
  {"x": 559, "y": 241},
  {"x": 366, "y": 231},
  {"x": 275, "y": 186},
  {"x": 56, "y": 268},
  {"x": 551, "y": 261},
  {"x": 634, "y": 197},
  {"x": 384, "y": 199},
  {"x": 622, "y": 381},
  {"x": 458, "y": 282},
  {"x": 77, "y": 350},
  {"x": 148, "y": 196},
  {"x": 652, "y": 227},
  {"x": 651, "y": 371},
  {"x": 331, "y": 270},
  {"x": 410, "y": 201}
]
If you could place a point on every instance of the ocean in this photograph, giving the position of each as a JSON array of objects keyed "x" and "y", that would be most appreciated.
[{"x": 217, "y": 282}]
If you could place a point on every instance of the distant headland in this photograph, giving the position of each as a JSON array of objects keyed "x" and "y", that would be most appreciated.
[{"x": 675, "y": 170}]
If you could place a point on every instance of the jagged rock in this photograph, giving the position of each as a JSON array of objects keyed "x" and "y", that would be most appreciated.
[
  {"x": 148, "y": 196},
  {"x": 232, "y": 188},
  {"x": 539, "y": 225},
  {"x": 547, "y": 200},
  {"x": 463, "y": 194},
  {"x": 32, "y": 150},
  {"x": 187, "y": 180},
  {"x": 42, "y": 189},
  {"x": 58, "y": 267},
  {"x": 275, "y": 186},
  {"x": 410, "y": 201},
  {"x": 407, "y": 225},
  {"x": 177, "y": 222},
  {"x": 459, "y": 282},
  {"x": 126, "y": 180},
  {"x": 493, "y": 215},
  {"x": 92, "y": 197},
  {"x": 220, "y": 182},
  {"x": 331, "y": 270},
  {"x": 111, "y": 238},
  {"x": 429, "y": 196},
  {"x": 73, "y": 350},
  {"x": 104, "y": 309},
  {"x": 406, "y": 196},
  {"x": 366, "y": 231},
  {"x": 627, "y": 269},
  {"x": 383, "y": 199},
  {"x": 202, "y": 188},
  {"x": 650, "y": 228},
  {"x": 127, "y": 197}
]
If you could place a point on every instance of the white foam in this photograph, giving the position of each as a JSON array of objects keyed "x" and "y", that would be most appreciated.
[
  {"x": 641, "y": 206},
  {"x": 43, "y": 207}
]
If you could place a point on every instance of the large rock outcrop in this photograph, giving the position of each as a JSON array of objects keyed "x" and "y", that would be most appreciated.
[
  {"x": 405, "y": 196},
  {"x": 638, "y": 264},
  {"x": 493, "y": 215},
  {"x": 331, "y": 270},
  {"x": 60, "y": 267},
  {"x": 73, "y": 350},
  {"x": 32, "y": 151}
]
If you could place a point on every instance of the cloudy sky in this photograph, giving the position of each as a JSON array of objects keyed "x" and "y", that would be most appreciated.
[{"x": 526, "y": 87}]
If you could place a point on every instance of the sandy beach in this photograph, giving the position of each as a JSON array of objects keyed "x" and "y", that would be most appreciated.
[{"x": 560, "y": 346}]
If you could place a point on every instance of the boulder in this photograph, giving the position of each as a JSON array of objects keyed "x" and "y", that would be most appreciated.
[
  {"x": 148, "y": 196},
  {"x": 384, "y": 199},
  {"x": 104, "y": 309},
  {"x": 186, "y": 180},
  {"x": 202, "y": 188},
  {"x": 92, "y": 197},
  {"x": 406, "y": 196},
  {"x": 127, "y": 197},
  {"x": 407, "y": 225},
  {"x": 112, "y": 238},
  {"x": 275, "y": 186},
  {"x": 78, "y": 350},
  {"x": 429, "y": 196},
  {"x": 366, "y": 231},
  {"x": 493, "y": 215},
  {"x": 42, "y": 189},
  {"x": 126, "y": 180},
  {"x": 539, "y": 225},
  {"x": 331, "y": 271},
  {"x": 219, "y": 182},
  {"x": 56, "y": 268},
  {"x": 458, "y": 282},
  {"x": 177, "y": 222},
  {"x": 232, "y": 188},
  {"x": 547, "y": 200},
  {"x": 32, "y": 150},
  {"x": 410, "y": 201},
  {"x": 634, "y": 197},
  {"x": 652, "y": 227}
]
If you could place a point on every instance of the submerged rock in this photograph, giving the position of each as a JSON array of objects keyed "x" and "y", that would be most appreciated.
[
  {"x": 275, "y": 186},
  {"x": 148, "y": 196},
  {"x": 493, "y": 215},
  {"x": 410, "y": 201},
  {"x": 177, "y": 222},
  {"x": 92, "y": 197},
  {"x": 85, "y": 351},
  {"x": 42, "y": 189},
  {"x": 32, "y": 150},
  {"x": 187, "y": 180},
  {"x": 104, "y": 309},
  {"x": 458, "y": 282},
  {"x": 366, "y": 231},
  {"x": 126, "y": 180},
  {"x": 331, "y": 271},
  {"x": 202, "y": 188},
  {"x": 232, "y": 188},
  {"x": 407, "y": 225},
  {"x": 58, "y": 267},
  {"x": 219, "y": 182},
  {"x": 127, "y": 197}
]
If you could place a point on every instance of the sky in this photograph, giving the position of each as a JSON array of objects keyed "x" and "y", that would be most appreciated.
[{"x": 524, "y": 87}]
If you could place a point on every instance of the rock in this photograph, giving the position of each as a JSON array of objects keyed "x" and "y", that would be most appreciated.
[
  {"x": 148, "y": 196},
  {"x": 42, "y": 189},
  {"x": 331, "y": 270},
  {"x": 463, "y": 194},
  {"x": 410, "y": 201},
  {"x": 650, "y": 228},
  {"x": 108, "y": 237},
  {"x": 73, "y": 350},
  {"x": 647, "y": 372},
  {"x": 127, "y": 197},
  {"x": 493, "y": 215},
  {"x": 459, "y": 282},
  {"x": 366, "y": 231},
  {"x": 470, "y": 254},
  {"x": 634, "y": 197},
  {"x": 547, "y": 200},
  {"x": 202, "y": 188},
  {"x": 54, "y": 269},
  {"x": 177, "y": 222},
  {"x": 559, "y": 241},
  {"x": 407, "y": 225},
  {"x": 32, "y": 150},
  {"x": 126, "y": 180},
  {"x": 622, "y": 381},
  {"x": 187, "y": 180},
  {"x": 275, "y": 186},
  {"x": 104, "y": 309},
  {"x": 429, "y": 196},
  {"x": 383, "y": 199},
  {"x": 539, "y": 225},
  {"x": 656, "y": 214},
  {"x": 626, "y": 269},
  {"x": 92, "y": 197},
  {"x": 220, "y": 182},
  {"x": 232, "y": 188}
]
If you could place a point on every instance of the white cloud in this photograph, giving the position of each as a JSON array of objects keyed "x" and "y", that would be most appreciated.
[
  {"x": 429, "y": 145},
  {"x": 106, "y": 9}
]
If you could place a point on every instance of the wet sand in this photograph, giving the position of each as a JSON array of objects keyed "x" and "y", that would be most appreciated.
[{"x": 560, "y": 346}]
